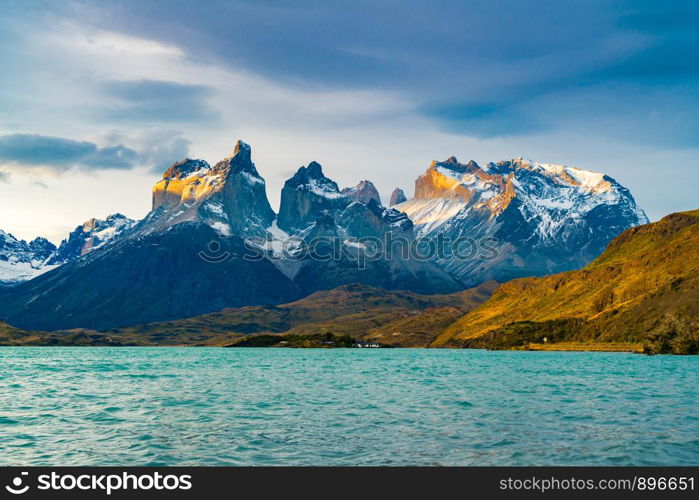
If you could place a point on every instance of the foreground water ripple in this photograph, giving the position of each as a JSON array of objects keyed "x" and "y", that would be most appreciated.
[{"x": 200, "y": 406}]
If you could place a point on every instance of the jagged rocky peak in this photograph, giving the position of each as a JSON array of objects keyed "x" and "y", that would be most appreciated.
[
  {"x": 190, "y": 181},
  {"x": 41, "y": 248},
  {"x": 363, "y": 192},
  {"x": 91, "y": 235},
  {"x": 312, "y": 179},
  {"x": 21, "y": 261},
  {"x": 242, "y": 208},
  {"x": 230, "y": 197},
  {"x": 240, "y": 161},
  {"x": 14, "y": 249},
  {"x": 117, "y": 221},
  {"x": 397, "y": 197},
  {"x": 445, "y": 179},
  {"x": 310, "y": 202},
  {"x": 186, "y": 181},
  {"x": 306, "y": 196}
]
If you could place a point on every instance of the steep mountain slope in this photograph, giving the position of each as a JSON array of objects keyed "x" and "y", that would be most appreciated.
[
  {"x": 152, "y": 277},
  {"x": 307, "y": 196},
  {"x": 646, "y": 275},
  {"x": 529, "y": 218},
  {"x": 186, "y": 257}
]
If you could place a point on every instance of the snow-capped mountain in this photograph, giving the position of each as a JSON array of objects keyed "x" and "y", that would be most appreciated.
[
  {"x": 309, "y": 196},
  {"x": 191, "y": 253},
  {"x": 21, "y": 261},
  {"x": 93, "y": 234},
  {"x": 316, "y": 211},
  {"x": 530, "y": 218}
]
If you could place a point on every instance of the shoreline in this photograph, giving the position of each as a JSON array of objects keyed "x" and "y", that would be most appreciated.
[{"x": 631, "y": 348}]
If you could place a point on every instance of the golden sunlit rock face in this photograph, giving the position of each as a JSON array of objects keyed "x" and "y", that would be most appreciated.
[
  {"x": 452, "y": 186},
  {"x": 170, "y": 192},
  {"x": 230, "y": 196},
  {"x": 453, "y": 180},
  {"x": 433, "y": 184}
]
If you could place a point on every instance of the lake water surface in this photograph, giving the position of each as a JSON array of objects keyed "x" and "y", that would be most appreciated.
[{"x": 212, "y": 406}]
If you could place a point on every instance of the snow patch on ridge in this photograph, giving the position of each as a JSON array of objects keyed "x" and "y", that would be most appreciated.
[
  {"x": 428, "y": 215},
  {"x": 322, "y": 189},
  {"x": 221, "y": 228},
  {"x": 252, "y": 179}
]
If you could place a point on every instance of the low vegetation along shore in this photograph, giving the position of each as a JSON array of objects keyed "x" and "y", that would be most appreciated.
[{"x": 640, "y": 295}]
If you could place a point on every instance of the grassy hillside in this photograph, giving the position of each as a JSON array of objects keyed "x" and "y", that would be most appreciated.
[
  {"x": 415, "y": 330},
  {"x": 9, "y": 335},
  {"x": 643, "y": 289}
]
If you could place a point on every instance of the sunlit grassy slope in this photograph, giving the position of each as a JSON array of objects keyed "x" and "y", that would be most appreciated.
[{"x": 646, "y": 274}]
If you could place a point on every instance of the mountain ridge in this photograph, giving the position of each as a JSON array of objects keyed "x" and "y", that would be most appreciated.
[
  {"x": 544, "y": 218},
  {"x": 642, "y": 292},
  {"x": 213, "y": 222}
]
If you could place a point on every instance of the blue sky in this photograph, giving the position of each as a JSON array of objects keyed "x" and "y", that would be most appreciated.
[{"x": 97, "y": 98}]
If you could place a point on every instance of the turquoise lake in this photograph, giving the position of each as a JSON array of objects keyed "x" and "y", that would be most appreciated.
[{"x": 209, "y": 406}]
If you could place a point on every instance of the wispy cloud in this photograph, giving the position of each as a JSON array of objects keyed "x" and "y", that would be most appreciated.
[
  {"x": 154, "y": 149},
  {"x": 153, "y": 101},
  {"x": 62, "y": 154}
]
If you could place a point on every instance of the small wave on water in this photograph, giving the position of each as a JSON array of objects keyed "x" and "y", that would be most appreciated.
[{"x": 209, "y": 406}]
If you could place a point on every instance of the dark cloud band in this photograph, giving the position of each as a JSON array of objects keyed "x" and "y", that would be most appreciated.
[{"x": 64, "y": 154}]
